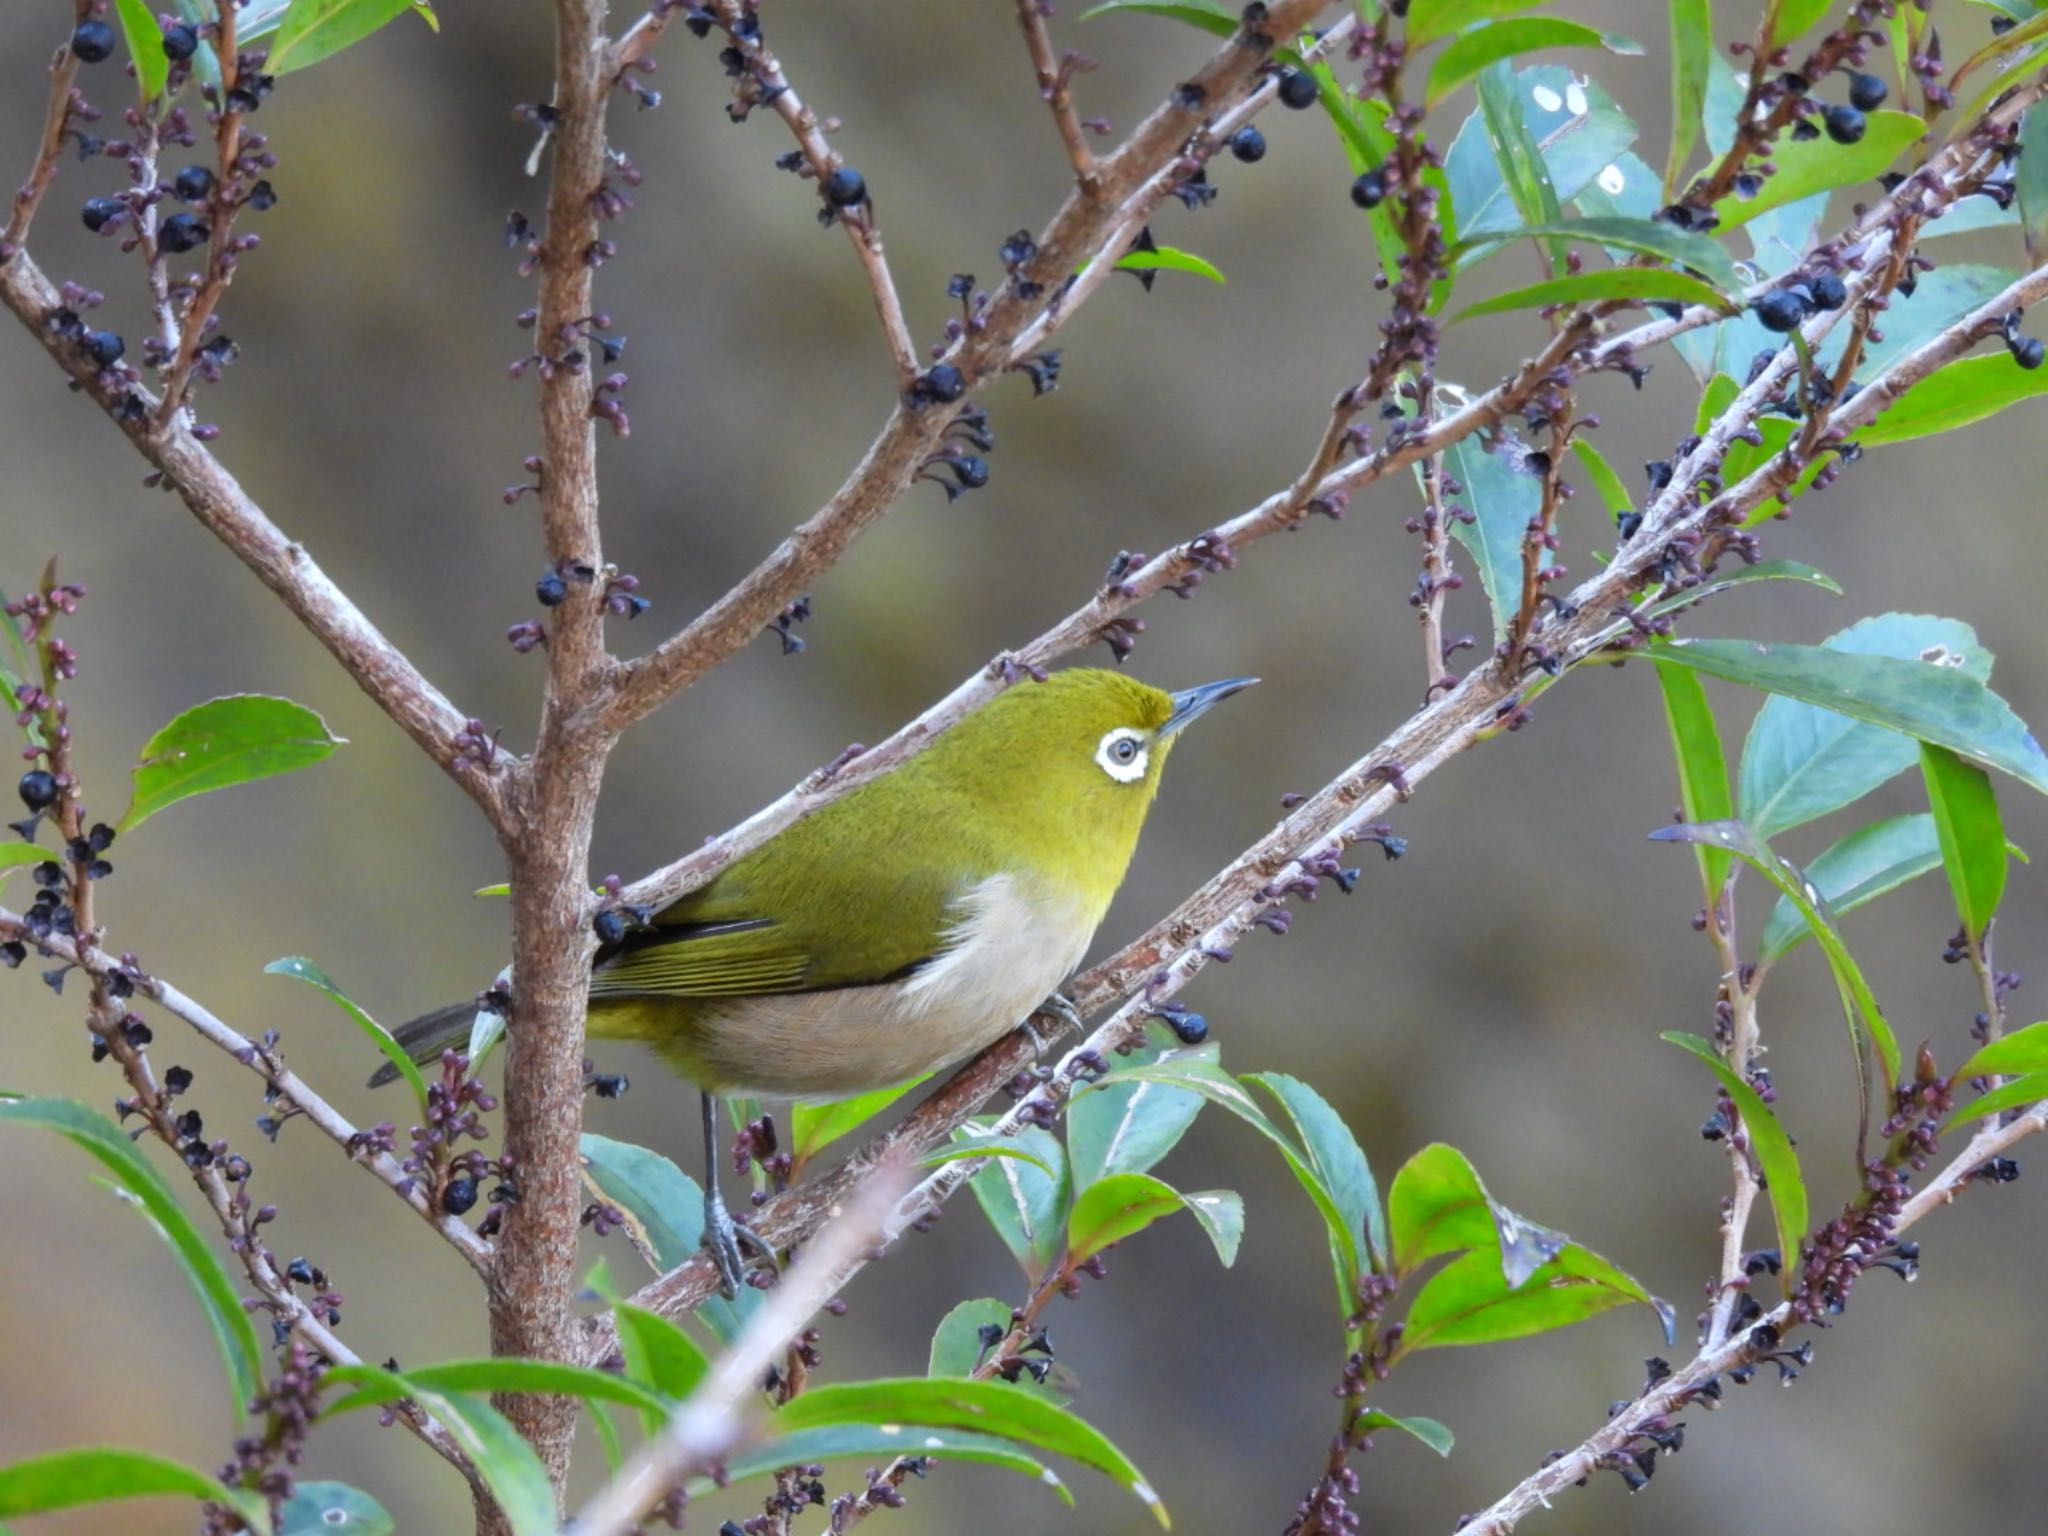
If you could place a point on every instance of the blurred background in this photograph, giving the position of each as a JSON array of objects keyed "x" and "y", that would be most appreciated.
[{"x": 1501, "y": 988}]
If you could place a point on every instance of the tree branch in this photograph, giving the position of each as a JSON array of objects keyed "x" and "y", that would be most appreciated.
[{"x": 1055, "y": 88}]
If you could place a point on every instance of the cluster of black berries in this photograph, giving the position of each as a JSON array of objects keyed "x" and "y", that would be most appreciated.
[{"x": 1788, "y": 306}]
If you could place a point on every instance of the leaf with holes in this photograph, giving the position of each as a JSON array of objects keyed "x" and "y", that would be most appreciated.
[{"x": 333, "y": 1509}]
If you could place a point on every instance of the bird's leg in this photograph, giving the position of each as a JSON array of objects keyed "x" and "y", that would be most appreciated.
[{"x": 721, "y": 1232}]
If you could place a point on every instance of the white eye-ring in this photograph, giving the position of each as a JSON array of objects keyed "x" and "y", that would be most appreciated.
[{"x": 1122, "y": 755}]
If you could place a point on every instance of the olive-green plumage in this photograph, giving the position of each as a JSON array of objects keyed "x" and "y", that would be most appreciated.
[{"x": 909, "y": 922}]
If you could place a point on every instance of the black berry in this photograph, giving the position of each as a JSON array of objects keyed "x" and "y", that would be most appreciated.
[
  {"x": 1866, "y": 92},
  {"x": 180, "y": 43},
  {"x": 38, "y": 789},
  {"x": 103, "y": 347},
  {"x": 182, "y": 232},
  {"x": 1249, "y": 145},
  {"x": 1844, "y": 124},
  {"x": 1298, "y": 89},
  {"x": 193, "y": 184},
  {"x": 846, "y": 188},
  {"x": 609, "y": 926},
  {"x": 1780, "y": 310},
  {"x": 93, "y": 42},
  {"x": 944, "y": 384},
  {"x": 2027, "y": 352},
  {"x": 1829, "y": 291},
  {"x": 551, "y": 590},
  {"x": 262, "y": 196},
  {"x": 459, "y": 1196},
  {"x": 99, "y": 212},
  {"x": 1370, "y": 189}
]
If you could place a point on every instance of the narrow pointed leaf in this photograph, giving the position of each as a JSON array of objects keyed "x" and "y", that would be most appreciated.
[
  {"x": 2015, "y": 1093},
  {"x": 1613, "y": 494},
  {"x": 1519, "y": 156},
  {"x": 658, "y": 1355},
  {"x": 1861, "y": 867},
  {"x": 224, "y": 742},
  {"x": 1606, "y": 283},
  {"x": 1168, "y": 258},
  {"x": 985, "y": 1407},
  {"x": 145, "y": 46},
  {"x": 1339, "y": 1162},
  {"x": 1464, "y": 57},
  {"x": 1692, "y": 50},
  {"x": 1503, "y": 496},
  {"x": 98, "y": 1474},
  {"x": 234, "y": 1334},
  {"x": 312, "y": 30},
  {"x": 301, "y": 969},
  {"x": 1644, "y": 237},
  {"x": 1743, "y": 575},
  {"x": 879, "y": 1444},
  {"x": 1955, "y": 396},
  {"x": 1965, "y": 809},
  {"x": 814, "y": 1127},
  {"x": 2022, "y": 1053},
  {"x": 1470, "y": 1300},
  {"x": 1703, "y": 789},
  {"x": 1429, "y": 20},
  {"x": 1210, "y": 15},
  {"x": 1767, "y": 1139},
  {"x": 2031, "y": 184},
  {"x": 1859, "y": 1004},
  {"x": 1431, "y": 1433}
]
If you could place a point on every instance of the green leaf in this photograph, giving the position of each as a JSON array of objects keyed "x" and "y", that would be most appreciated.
[
  {"x": 659, "y": 1355},
  {"x": 813, "y": 1127},
  {"x": 1438, "y": 1205},
  {"x": 1806, "y": 167},
  {"x": 1470, "y": 1301},
  {"x": 145, "y": 46},
  {"x": 301, "y": 969},
  {"x": 1338, "y": 1161},
  {"x": 1466, "y": 56},
  {"x": 1943, "y": 297},
  {"x": 1773, "y": 1149},
  {"x": 957, "y": 1347},
  {"x": 1861, "y": 867},
  {"x": 879, "y": 1443},
  {"x": 94, "y": 1475},
  {"x": 1703, "y": 791},
  {"x": 1214, "y": 18},
  {"x": 1220, "y": 1088},
  {"x": 1613, "y": 494},
  {"x": 1429, "y": 20},
  {"x": 1026, "y": 1205},
  {"x": 1788, "y": 20},
  {"x": 1801, "y": 762},
  {"x": 992, "y": 1146},
  {"x": 1692, "y": 49},
  {"x": 987, "y": 1407},
  {"x": 1645, "y": 237},
  {"x": 313, "y": 30},
  {"x": 506, "y": 1462},
  {"x": 1503, "y": 496},
  {"x": 1219, "y": 1213},
  {"x": 1118, "y": 1126},
  {"x": 1432, "y": 1434},
  {"x": 1114, "y": 1208},
  {"x": 2022, "y": 1053},
  {"x": 333, "y": 1509},
  {"x": 222, "y": 742},
  {"x": 664, "y": 1211},
  {"x": 1957, "y": 395},
  {"x": 509, "y": 1373},
  {"x": 1859, "y": 1004},
  {"x": 2018, "y": 1092},
  {"x": 233, "y": 1332},
  {"x": 20, "y": 855},
  {"x": 1520, "y": 159},
  {"x": 1583, "y": 135},
  {"x": 1742, "y": 576},
  {"x": 1934, "y": 702},
  {"x": 1167, "y": 258},
  {"x": 1965, "y": 811},
  {"x": 1607, "y": 283}
]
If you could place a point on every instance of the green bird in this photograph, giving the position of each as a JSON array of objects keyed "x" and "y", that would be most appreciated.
[{"x": 904, "y": 925}]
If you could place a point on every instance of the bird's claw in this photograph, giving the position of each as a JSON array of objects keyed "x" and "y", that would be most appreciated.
[
  {"x": 1062, "y": 1009},
  {"x": 728, "y": 1239}
]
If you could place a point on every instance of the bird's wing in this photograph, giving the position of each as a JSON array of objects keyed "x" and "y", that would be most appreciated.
[{"x": 847, "y": 929}]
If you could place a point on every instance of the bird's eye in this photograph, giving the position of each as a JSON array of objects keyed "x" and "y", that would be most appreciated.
[{"x": 1122, "y": 755}]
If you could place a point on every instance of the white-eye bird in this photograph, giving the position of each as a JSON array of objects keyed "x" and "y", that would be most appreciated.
[{"x": 902, "y": 926}]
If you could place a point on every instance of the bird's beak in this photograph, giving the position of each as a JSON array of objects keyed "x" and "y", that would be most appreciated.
[{"x": 1192, "y": 703}]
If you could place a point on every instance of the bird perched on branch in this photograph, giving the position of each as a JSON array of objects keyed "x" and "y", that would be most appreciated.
[{"x": 901, "y": 927}]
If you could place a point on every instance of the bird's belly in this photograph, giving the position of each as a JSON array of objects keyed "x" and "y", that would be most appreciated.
[{"x": 1014, "y": 945}]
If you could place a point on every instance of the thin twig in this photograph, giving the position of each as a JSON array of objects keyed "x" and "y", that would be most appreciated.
[
  {"x": 50, "y": 148},
  {"x": 1055, "y": 88},
  {"x": 712, "y": 1422},
  {"x": 297, "y": 1095},
  {"x": 1537, "y": 1490}
]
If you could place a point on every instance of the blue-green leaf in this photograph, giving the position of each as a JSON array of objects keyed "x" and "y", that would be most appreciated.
[
  {"x": 1773, "y": 1149},
  {"x": 958, "y": 1345},
  {"x": 1646, "y": 237},
  {"x": 878, "y": 1443},
  {"x": 1119, "y": 1126},
  {"x": 1520, "y": 159},
  {"x": 1692, "y": 47},
  {"x": 1026, "y": 1205},
  {"x": 1582, "y": 133},
  {"x": 1965, "y": 809},
  {"x": 233, "y": 1332},
  {"x": 333, "y": 1509},
  {"x": 1339, "y": 1162},
  {"x": 1431, "y": 1433},
  {"x": 223, "y": 742},
  {"x": 1604, "y": 283},
  {"x": 1503, "y": 496},
  {"x": 1861, "y": 867},
  {"x": 301, "y": 969},
  {"x": 664, "y": 1211}
]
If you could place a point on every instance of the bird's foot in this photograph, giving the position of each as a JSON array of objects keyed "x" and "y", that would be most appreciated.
[
  {"x": 1058, "y": 1005},
  {"x": 728, "y": 1238}
]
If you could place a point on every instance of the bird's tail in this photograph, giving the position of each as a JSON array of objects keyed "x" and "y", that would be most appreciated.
[{"x": 425, "y": 1037}]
